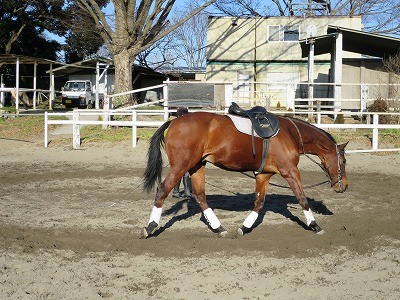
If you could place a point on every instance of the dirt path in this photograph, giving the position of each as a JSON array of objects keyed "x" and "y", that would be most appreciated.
[{"x": 70, "y": 224}]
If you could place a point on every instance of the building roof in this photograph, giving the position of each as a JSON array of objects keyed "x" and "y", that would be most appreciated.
[
  {"x": 12, "y": 59},
  {"x": 89, "y": 66},
  {"x": 356, "y": 41},
  {"x": 81, "y": 66},
  {"x": 191, "y": 70}
]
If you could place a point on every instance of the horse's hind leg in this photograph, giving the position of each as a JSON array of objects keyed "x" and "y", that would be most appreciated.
[
  {"x": 199, "y": 194},
  {"x": 162, "y": 193},
  {"x": 262, "y": 181}
]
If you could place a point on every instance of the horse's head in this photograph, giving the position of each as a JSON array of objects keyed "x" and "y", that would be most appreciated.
[{"x": 334, "y": 164}]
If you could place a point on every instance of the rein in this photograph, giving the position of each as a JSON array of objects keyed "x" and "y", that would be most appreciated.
[{"x": 288, "y": 187}]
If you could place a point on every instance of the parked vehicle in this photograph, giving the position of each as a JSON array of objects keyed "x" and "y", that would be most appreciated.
[{"x": 78, "y": 93}]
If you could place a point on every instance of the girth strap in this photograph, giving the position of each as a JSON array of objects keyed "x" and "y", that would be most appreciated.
[{"x": 264, "y": 155}]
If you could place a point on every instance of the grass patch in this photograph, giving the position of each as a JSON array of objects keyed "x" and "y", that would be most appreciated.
[
  {"x": 390, "y": 131},
  {"x": 113, "y": 134},
  {"x": 32, "y": 128},
  {"x": 93, "y": 133},
  {"x": 386, "y": 136},
  {"x": 23, "y": 127},
  {"x": 151, "y": 107},
  {"x": 9, "y": 109}
]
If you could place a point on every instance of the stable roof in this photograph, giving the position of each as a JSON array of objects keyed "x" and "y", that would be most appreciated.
[
  {"x": 85, "y": 67},
  {"x": 356, "y": 41},
  {"x": 81, "y": 66},
  {"x": 23, "y": 59}
]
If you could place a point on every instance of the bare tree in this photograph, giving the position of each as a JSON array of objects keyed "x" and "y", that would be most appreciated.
[
  {"x": 391, "y": 65},
  {"x": 379, "y": 16},
  {"x": 189, "y": 40},
  {"x": 136, "y": 27},
  {"x": 159, "y": 55}
]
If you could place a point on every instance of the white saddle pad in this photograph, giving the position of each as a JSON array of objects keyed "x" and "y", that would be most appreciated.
[{"x": 242, "y": 124}]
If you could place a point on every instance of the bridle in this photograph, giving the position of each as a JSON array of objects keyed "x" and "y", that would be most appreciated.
[
  {"x": 338, "y": 179},
  {"x": 332, "y": 181}
]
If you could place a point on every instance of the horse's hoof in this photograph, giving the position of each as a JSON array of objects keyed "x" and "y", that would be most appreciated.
[
  {"x": 221, "y": 231},
  {"x": 243, "y": 230},
  {"x": 223, "y": 234},
  {"x": 240, "y": 232},
  {"x": 147, "y": 231},
  {"x": 144, "y": 234},
  {"x": 315, "y": 228}
]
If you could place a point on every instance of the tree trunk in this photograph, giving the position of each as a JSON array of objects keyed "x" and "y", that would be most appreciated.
[{"x": 123, "y": 62}]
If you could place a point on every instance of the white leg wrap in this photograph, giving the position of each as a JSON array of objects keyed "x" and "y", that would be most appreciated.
[
  {"x": 155, "y": 215},
  {"x": 251, "y": 218},
  {"x": 309, "y": 216},
  {"x": 211, "y": 218}
]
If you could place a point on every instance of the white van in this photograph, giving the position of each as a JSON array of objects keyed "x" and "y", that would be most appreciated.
[{"x": 77, "y": 93}]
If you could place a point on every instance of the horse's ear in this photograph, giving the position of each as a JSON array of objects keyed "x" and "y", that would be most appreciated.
[{"x": 342, "y": 146}]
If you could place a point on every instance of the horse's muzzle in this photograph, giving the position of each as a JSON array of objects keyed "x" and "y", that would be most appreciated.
[{"x": 340, "y": 186}]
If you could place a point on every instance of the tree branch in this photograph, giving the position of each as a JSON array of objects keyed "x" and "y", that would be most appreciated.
[
  {"x": 167, "y": 31},
  {"x": 92, "y": 8}
]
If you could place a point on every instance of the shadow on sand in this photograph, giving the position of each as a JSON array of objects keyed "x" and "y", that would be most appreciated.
[{"x": 241, "y": 203}]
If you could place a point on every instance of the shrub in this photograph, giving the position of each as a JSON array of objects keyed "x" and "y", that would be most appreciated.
[
  {"x": 339, "y": 119},
  {"x": 380, "y": 105}
]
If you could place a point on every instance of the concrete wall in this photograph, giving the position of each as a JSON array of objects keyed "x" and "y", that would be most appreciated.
[{"x": 249, "y": 39}]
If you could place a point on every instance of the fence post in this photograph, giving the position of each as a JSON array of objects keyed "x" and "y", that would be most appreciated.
[
  {"x": 76, "y": 136},
  {"x": 375, "y": 134},
  {"x": 228, "y": 96},
  {"x": 2, "y": 99},
  {"x": 319, "y": 117},
  {"x": 105, "y": 115},
  {"x": 45, "y": 129},
  {"x": 134, "y": 129},
  {"x": 165, "y": 104}
]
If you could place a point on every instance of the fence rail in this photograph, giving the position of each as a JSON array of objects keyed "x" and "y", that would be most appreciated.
[
  {"x": 134, "y": 123},
  {"x": 135, "y": 111},
  {"x": 301, "y": 95}
]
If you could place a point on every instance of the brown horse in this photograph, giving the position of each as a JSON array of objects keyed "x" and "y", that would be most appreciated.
[{"x": 197, "y": 138}]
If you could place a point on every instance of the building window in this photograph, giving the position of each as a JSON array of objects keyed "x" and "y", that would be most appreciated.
[
  {"x": 278, "y": 33},
  {"x": 274, "y": 33},
  {"x": 243, "y": 87},
  {"x": 291, "y": 33}
]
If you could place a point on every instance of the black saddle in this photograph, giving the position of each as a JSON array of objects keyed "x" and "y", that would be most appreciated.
[{"x": 264, "y": 123}]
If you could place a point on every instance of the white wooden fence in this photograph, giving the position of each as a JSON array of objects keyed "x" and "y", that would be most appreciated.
[
  {"x": 77, "y": 115},
  {"x": 134, "y": 111},
  {"x": 76, "y": 120}
]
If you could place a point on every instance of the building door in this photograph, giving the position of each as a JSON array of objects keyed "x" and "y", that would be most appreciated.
[
  {"x": 243, "y": 89},
  {"x": 283, "y": 85}
]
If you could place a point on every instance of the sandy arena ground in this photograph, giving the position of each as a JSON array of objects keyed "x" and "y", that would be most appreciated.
[{"x": 70, "y": 224}]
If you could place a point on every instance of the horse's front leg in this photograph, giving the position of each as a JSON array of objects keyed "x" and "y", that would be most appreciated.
[
  {"x": 199, "y": 194},
  {"x": 294, "y": 181},
  {"x": 262, "y": 181}
]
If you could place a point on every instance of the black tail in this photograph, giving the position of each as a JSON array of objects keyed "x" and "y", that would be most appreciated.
[{"x": 154, "y": 159}]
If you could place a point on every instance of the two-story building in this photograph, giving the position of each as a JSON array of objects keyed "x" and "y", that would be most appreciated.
[{"x": 277, "y": 61}]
